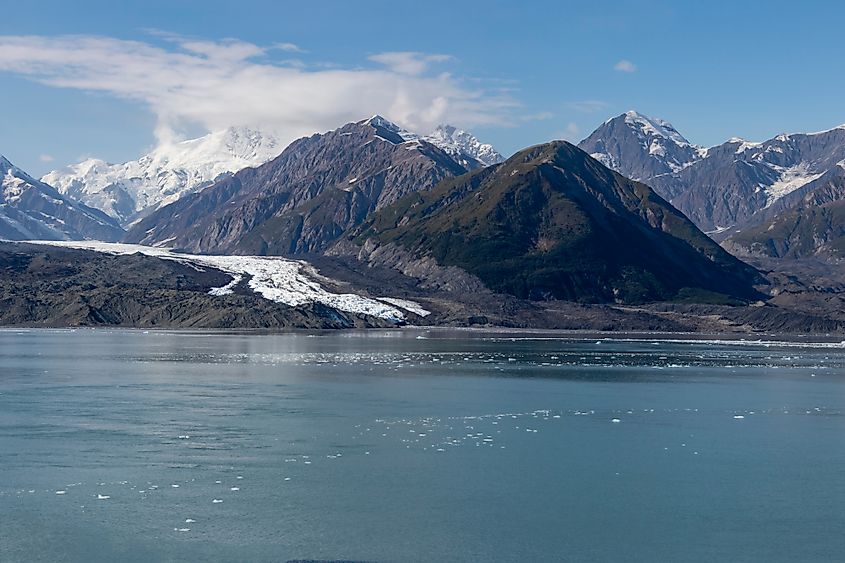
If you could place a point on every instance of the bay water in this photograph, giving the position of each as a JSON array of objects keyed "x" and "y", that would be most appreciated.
[{"x": 418, "y": 445}]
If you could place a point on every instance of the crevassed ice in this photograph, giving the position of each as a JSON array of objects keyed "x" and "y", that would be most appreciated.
[{"x": 277, "y": 279}]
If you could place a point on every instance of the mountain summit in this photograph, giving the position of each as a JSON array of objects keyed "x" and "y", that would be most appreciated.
[
  {"x": 461, "y": 144},
  {"x": 723, "y": 187},
  {"x": 464, "y": 147},
  {"x": 165, "y": 174},
  {"x": 306, "y": 197},
  {"x": 551, "y": 222},
  {"x": 640, "y": 147},
  {"x": 30, "y": 209}
]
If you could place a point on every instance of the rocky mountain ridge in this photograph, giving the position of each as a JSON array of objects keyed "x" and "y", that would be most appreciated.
[
  {"x": 306, "y": 197},
  {"x": 31, "y": 209}
]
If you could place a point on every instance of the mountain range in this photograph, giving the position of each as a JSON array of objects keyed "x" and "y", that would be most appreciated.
[
  {"x": 738, "y": 189},
  {"x": 618, "y": 219},
  {"x": 31, "y": 209},
  {"x": 553, "y": 223},
  {"x": 125, "y": 191},
  {"x": 305, "y": 198}
]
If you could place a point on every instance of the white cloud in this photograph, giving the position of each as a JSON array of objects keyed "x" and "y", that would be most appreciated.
[
  {"x": 572, "y": 132},
  {"x": 625, "y": 66},
  {"x": 45, "y": 158},
  {"x": 408, "y": 62},
  {"x": 216, "y": 84},
  {"x": 289, "y": 47},
  {"x": 587, "y": 106}
]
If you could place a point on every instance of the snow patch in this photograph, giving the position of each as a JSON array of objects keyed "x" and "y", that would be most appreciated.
[
  {"x": 411, "y": 306},
  {"x": 790, "y": 180}
]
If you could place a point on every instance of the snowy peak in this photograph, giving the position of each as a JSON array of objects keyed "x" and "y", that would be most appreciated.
[
  {"x": 719, "y": 187},
  {"x": 458, "y": 143},
  {"x": 166, "y": 173},
  {"x": 390, "y": 131},
  {"x": 641, "y": 147},
  {"x": 462, "y": 146},
  {"x": 654, "y": 127},
  {"x": 133, "y": 189},
  {"x": 30, "y": 209}
]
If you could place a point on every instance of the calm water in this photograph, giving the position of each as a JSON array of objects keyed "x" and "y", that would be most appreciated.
[{"x": 415, "y": 446}]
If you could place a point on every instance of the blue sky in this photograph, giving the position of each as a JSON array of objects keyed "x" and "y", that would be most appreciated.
[{"x": 112, "y": 79}]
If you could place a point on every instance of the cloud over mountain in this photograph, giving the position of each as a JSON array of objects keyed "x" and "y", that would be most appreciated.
[{"x": 217, "y": 84}]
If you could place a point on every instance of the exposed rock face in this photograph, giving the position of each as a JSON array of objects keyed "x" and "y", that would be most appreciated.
[
  {"x": 51, "y": 286},
  {"x": 642, "y": 148},
  {"x": 553, "y": 223},
  {"x": 304, "y": 199},
  {"x": 807, "y": 223},
  {"x": 722, "y": 187},
  {"x": 30, "y": 209},
  {"x": 738, "y": 179}
]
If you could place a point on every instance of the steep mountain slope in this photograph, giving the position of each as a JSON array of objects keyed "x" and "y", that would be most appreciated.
[
  {"x": 30, "y": 209},
  {"x": 814, "y": 226},
  {"x": 738, "y": 179},
  {"x": 642, "y": 148},
  {"x": 306, "y": 197},
  {"x": 551, "y": 222},
  {"x": 165, "y": 174},
  {"x": 722, "y": 187}
]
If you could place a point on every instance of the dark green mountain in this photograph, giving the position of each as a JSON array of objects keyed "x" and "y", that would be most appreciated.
[{"x": 552, "y": 222}]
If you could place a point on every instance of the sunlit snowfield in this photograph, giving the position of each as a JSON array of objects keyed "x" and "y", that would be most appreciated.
[{"x": 417, "y": 446}]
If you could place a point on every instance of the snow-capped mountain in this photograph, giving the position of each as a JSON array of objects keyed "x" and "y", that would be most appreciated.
[
  {"x": 739, "y": 179},
  {"x": 641, "y": 147},
  {"x": 165, "y": 174},
  {"x": 30, "y": 209},
  {"x": 462, "y": 146},
  {"x": 808, "y": 222},
  {"x": 459, "y": 144},
  {"x": 721, "y": 187},
  {"x": 306, "y": 198}
]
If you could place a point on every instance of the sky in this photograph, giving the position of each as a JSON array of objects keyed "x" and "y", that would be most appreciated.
[{"x": 111, "y": 80}]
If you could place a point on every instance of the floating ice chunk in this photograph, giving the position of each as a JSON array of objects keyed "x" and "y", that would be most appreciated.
[
  {"x": 61, "y": 492},
  {"x": 234, "y": 488},
  {"x": 738, "y": 417},
  {"x": 615, "y": 420},
  {"x": 175, "y": 486},
  {"x": 103, "y": 497},
  {"x": 216, "y": 501},
  {"x": 189, "y": 520}
]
